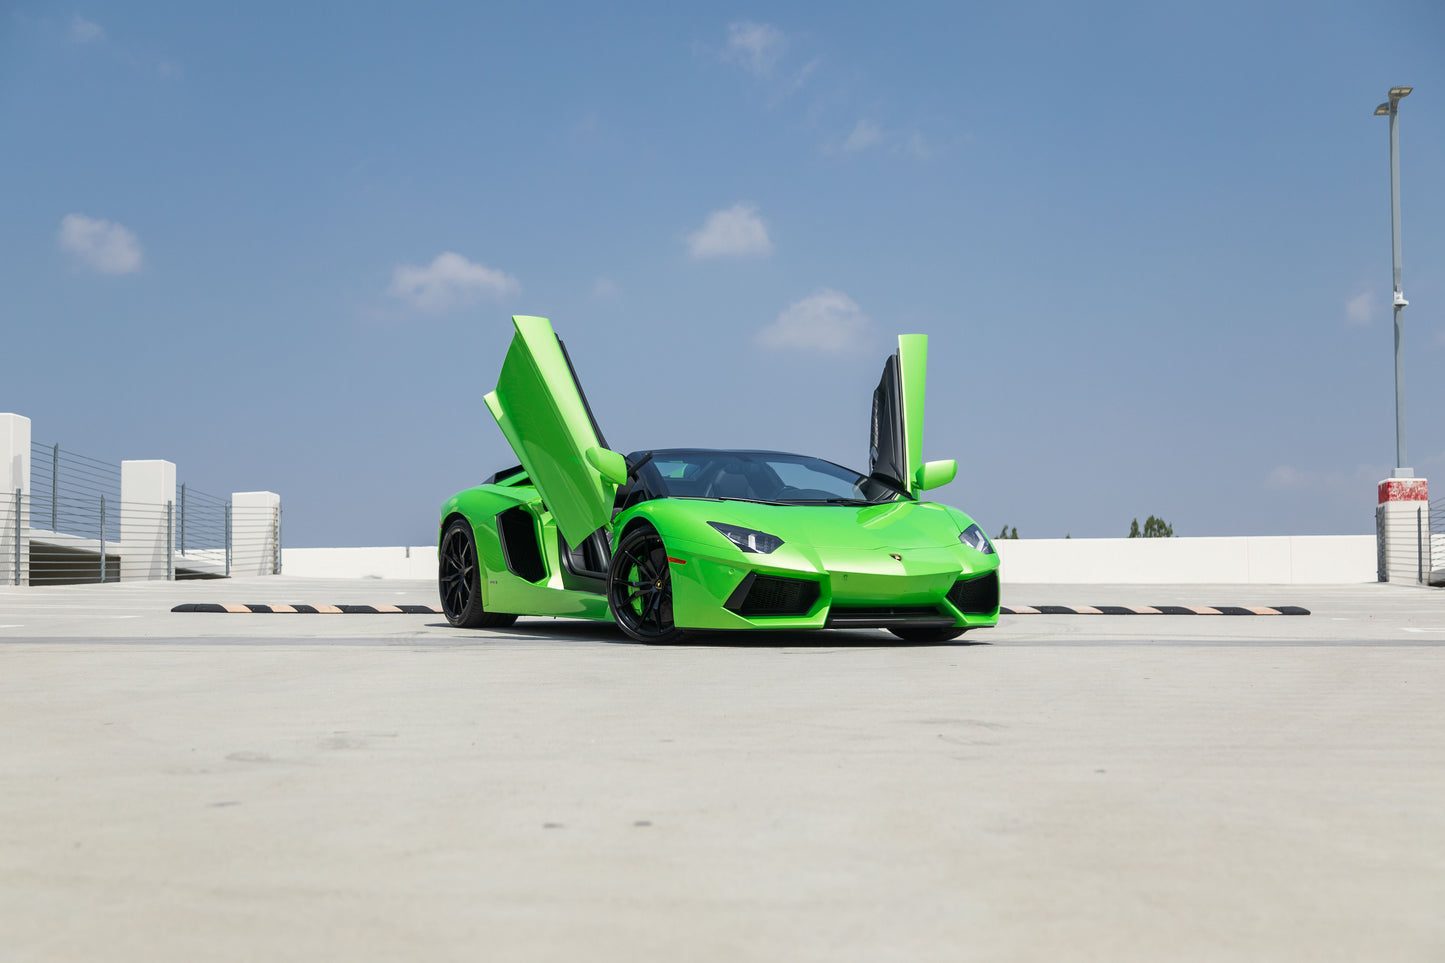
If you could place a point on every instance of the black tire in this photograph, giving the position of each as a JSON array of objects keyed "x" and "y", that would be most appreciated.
[
  {"x": 458, "y": 581},
  {"x": 927, "y": 635},
  {"x": 639, "y": 588}
]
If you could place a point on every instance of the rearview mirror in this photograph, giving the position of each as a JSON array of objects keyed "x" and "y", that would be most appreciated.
[
  {"x": 610, "y": 465},
  {"x": 936, "y": 474}
]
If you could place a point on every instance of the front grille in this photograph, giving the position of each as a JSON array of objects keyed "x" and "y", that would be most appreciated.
[
  {"x": 886, "y": 611},
  {"x": 975, "y": 596},
  {"x": 883, "y": 616},
  {"x": 772, "y": 595}
]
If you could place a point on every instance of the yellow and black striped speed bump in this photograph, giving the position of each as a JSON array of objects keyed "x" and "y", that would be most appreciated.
[
  {"x": 303, "y": 609},
  {"x": 1153, "y": 610}
]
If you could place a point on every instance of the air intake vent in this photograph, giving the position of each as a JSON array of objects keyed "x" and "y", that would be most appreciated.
[
  {"x": 976, "y": 596},
  {"x": 883, "y": 616},
  {"x": 518, "y": 531},
  {"x": 771, "y": 595}
]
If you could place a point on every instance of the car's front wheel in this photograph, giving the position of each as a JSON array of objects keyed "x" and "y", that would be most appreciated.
[
  {"x": 639, "y": 587},
  {"x": 458, "y": 581}
]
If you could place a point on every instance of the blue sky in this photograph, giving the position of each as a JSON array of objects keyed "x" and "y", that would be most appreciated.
[{"x": 279, "y": 244}]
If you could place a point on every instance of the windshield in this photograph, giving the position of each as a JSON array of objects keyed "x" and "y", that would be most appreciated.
[{"x": 759, "y": 476}]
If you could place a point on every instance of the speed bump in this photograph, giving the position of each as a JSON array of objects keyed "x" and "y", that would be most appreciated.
[
  {"x": 300, "y": 608},
  {"x": 1152, "y": 610}
]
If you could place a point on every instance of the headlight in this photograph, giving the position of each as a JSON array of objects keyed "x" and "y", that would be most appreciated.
[
  {"x": 974, "y": 538},
  {"x": 749, "y": 539}
]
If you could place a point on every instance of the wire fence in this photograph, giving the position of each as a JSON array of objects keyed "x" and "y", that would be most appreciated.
[
  {"x": 73, "y": 526},
  {"x": 67, "y": 490},
  {"x": 203, "y": 527}
]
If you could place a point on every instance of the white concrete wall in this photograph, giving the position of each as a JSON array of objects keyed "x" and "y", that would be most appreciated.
[
  {"x": 1273, "y": 560},
  {"x": 1407, "y": 540},
  {"x": 14, "y": 474},
  {"x": 416, "y": 561},
  {"x": 147, "y": 525}
]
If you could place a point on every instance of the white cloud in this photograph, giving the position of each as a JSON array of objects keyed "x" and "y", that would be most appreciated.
[
  {"x": 84, "y": 31},
  {"x": 827, "y": 321},
  {"x": 868, "y": 134},
  {"x": 449, "y": 281},
  {"x": 757, "y": 46},
  {"x": 100, "y": 245},
  {"x": 1285, "y": 478},
  {"x": 734, "y": 232},
  {"x": 1360, "y": 308},
  {"x": 604, "y": 289},
  {"x": 918, "y": 146},
  {"x": 865, "y": 135}
]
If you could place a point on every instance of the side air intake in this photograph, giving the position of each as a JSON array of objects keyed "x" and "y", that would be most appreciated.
[
  {"x": 975, "y": 596},
  {"x": 772, "y": 595}
]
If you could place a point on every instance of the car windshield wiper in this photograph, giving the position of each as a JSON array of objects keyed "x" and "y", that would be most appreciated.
[
  {"x": 732, "y": 498},
  {"x": 830, "y": 501}
]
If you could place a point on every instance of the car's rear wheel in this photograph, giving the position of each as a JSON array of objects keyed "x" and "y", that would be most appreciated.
[
  {"x": 926, "y": 635},
  {"x": 639, "y": 587},
  {"x": 459, "y": 581}
]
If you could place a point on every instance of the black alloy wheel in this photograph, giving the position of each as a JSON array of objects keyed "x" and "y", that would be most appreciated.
[
  {"x": 639, "y": 588},
  {"x": 926, "y": 635},
  {"x": 458, "y": 581}
]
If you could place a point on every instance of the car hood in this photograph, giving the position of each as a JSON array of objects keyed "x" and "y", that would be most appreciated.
[{"x": 903, "y": 524}]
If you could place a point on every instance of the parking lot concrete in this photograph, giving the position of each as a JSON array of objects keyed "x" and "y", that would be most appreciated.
[{"x": 235, "y": 787}]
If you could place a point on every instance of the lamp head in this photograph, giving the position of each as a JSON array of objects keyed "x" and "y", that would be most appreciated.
[
  {"x": 1382, "y": 111},
  {"x": 1397, "y": 93}
]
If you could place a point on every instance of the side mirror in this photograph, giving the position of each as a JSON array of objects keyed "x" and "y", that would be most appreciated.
[
  {"x": 936, "y": 474},
  {"x": 610, "y": 465}
]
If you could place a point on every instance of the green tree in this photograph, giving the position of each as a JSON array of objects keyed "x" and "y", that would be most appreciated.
[
  {"x": 1153, "y": 528},
  {"x": 1006, "y": 534}
]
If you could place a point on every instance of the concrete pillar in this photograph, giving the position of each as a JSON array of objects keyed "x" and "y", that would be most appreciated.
[
  {"x": 255, "y": 533},
  {"x": 14, "y": 518},
  {"x": 147, "y": 519},
  {"x": 1402, "y": 527}
]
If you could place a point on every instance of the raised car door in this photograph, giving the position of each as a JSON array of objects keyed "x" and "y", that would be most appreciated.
[
  {"x": 541, "y": 409},
  {"x": 895, "y": 438}
]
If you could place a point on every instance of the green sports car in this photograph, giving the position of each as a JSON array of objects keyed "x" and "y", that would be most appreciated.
[{"x": 667, "y": 541}]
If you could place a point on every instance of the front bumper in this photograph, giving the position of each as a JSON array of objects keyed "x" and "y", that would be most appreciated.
[{"x": 854, "y": 588}]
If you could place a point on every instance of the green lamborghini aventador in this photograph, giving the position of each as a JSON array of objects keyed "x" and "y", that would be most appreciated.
[{"x": 672, "y": 540}]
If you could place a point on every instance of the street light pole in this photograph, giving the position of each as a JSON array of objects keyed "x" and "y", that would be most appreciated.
[{"x": 1392, "y": 110}]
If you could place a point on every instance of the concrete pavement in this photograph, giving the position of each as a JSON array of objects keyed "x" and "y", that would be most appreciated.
[{"x": 386, "y": 787}]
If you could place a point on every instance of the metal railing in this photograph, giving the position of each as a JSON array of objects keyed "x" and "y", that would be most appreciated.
[
  {"x": 66, "y": 489},
  {"x": 203, "y": 531},
  {"x": 109, "y": 540},
  {"x": 74, "y": 527}
]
